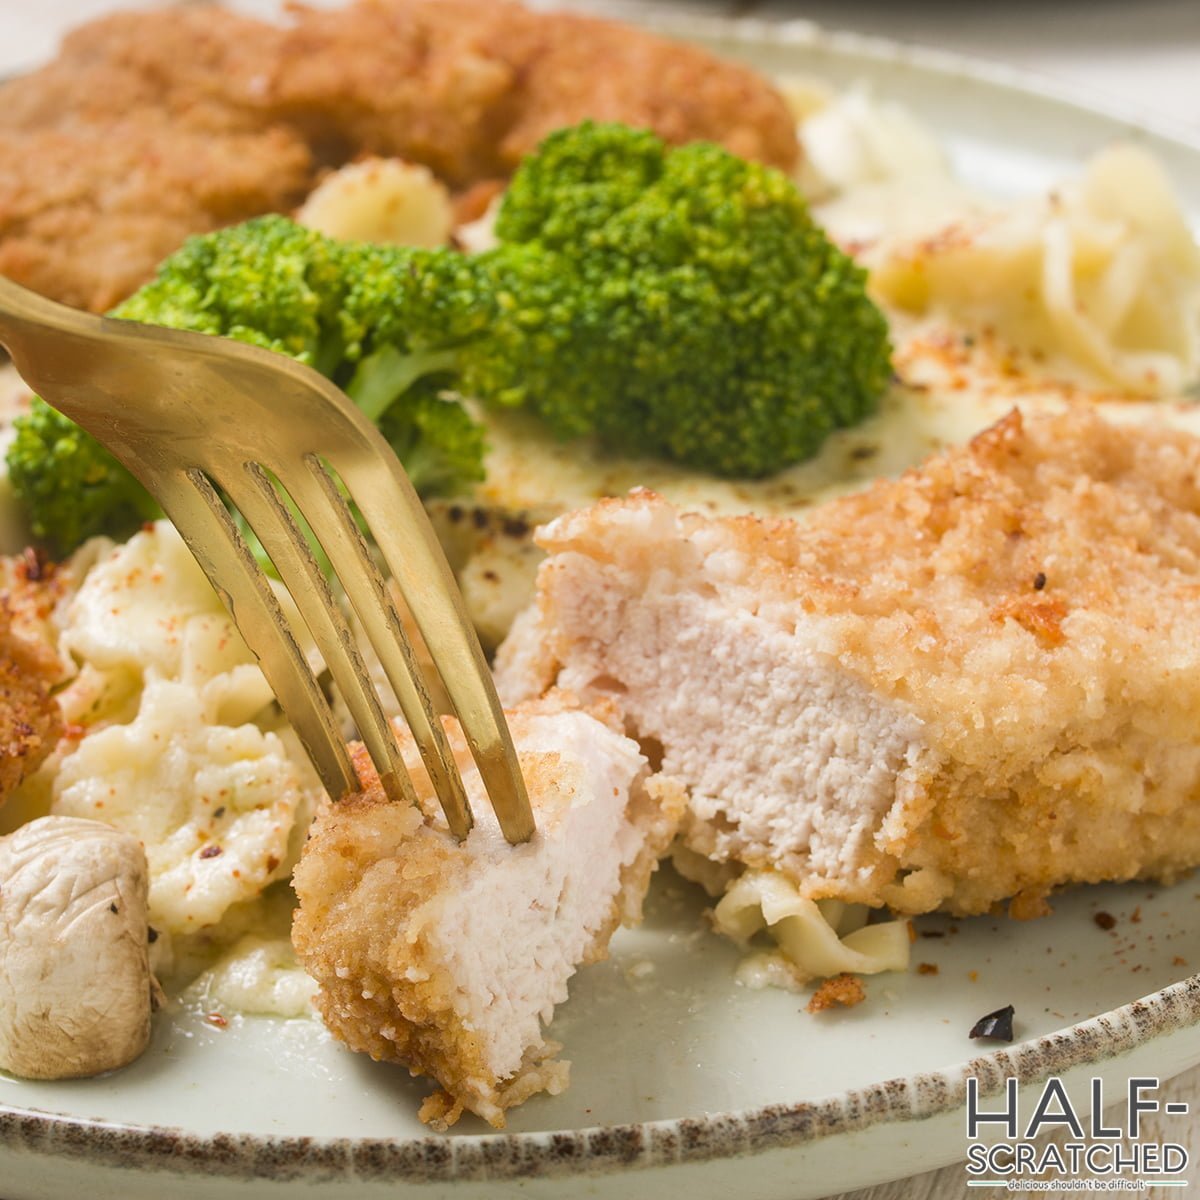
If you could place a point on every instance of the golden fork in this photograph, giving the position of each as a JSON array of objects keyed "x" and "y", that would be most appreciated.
[{"x": 191, "y": 415}]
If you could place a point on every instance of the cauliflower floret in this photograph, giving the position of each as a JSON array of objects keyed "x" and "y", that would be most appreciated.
[{"x": 215, "y": 806}]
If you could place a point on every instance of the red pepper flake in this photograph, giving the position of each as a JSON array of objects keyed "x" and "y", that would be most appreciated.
[
  {"x": 210, "y": 851},
  {"x": 927, "y": 968},
  {"x": 1136, "y": 916},
  {"x": 272, "y": 862},
  {"x": 1179, "y": 961},
  {"x": 215, "y": 1018},
  {"x": 973, "y": 976},
  {"x": 33, "y": 563},
  {"x": 1105, "y": 920}
]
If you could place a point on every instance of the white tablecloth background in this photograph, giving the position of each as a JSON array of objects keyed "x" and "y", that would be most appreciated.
[{"x": 1143, "y": 55}]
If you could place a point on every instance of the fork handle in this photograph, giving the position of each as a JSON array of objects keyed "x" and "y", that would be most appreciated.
[
  {"x": 22, "y": 312},
  {"x": 47, "y": 341}
]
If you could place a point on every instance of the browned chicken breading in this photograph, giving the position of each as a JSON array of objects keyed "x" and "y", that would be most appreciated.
[
  {"x": 976, "y": 682},
  {"x": 470, "y": 86},
  {"x": 195, "y": 66},
  {"x": 151, "y": 126},
  {"x": 86, "y": 223},
  {"x": 30, "y": 719},
  {"x": 449, "y": 957},
  {"x": 142, "y": 132}
]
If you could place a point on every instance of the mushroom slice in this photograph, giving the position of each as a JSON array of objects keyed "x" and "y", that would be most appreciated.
[{"x": 75, "y": 985}]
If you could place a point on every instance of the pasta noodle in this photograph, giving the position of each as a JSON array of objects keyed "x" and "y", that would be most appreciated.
[
  {"x": 381, "y": 200},
  {"x": 816, "y": 938},
  {"x": 181, "y": 744},
  {"x": 1102, "y": 274}
]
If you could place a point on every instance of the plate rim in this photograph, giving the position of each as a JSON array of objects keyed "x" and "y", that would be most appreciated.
[
  {"x": 603, "y": 1150},
  {"x": 805, "y": 34}
]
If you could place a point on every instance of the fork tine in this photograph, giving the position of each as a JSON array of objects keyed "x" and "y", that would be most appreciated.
[
  {"x": 322, "y": 506},
  {"x": 258, "y": 501},
  {"x": 195, "y": 509},
  {"x": 411, "y": 550},
  {"x": 173, "y": 405}
]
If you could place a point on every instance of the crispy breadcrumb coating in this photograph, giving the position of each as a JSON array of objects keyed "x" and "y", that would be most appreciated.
[
  {"x": 976, "y": 682},
  {"x": 153, "y": 125},
  {"x": 93, "y": 210},
  {"x": 30, "y": 719},
  {"x": 448, "y": 957},
  {"x": 844, "y": 990},
  {"x": 470, "y": 86}
]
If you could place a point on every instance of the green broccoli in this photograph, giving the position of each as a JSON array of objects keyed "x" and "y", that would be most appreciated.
[
  {"x": 379, "y": 321},
  {"x": 70, "y": 486},
  {"x": 675, "y": 302},
  {"x": 269, "y": 282},
  {"x": 672, "y": 302}
]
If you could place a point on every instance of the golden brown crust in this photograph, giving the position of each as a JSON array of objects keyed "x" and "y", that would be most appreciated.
[
  {"x": 30, "y": 719},
  {"x": 844, "y": 990},
  {"x": 369, "y": 871},
  {"x": 92, "y": 211},
  {"x": 1030, "y": 599},
  {"x": 152, "y": 126},
  {"x": 471, "y": 86}
]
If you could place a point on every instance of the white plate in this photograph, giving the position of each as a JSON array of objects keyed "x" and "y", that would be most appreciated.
[{"x": 684, "y": 1083}]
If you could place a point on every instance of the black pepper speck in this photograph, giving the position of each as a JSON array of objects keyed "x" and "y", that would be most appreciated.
[{"x": 996, "y": 1026}]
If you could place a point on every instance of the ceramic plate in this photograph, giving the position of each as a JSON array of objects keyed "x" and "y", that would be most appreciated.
[{"x": 683, "y": 1082}]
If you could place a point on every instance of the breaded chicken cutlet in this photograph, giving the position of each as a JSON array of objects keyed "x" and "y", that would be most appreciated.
[
  {"x": 153, "y": 125},
  {"x": 449, "y": 957},
  {"x": 976, "y": 682},
  {"x": 30, "y": 718}
]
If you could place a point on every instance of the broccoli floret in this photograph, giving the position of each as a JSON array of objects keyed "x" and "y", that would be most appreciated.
[
  {"x": 675, "y": 302},
  {"x": 71, "y": 487},
  {"x": 268, "y": 281},
  {"x": 405, "y": 316},
  {"x": 440, "y": 444},
  {"x": 672, "y": 302},
  {"x": 382, "y": 322}
]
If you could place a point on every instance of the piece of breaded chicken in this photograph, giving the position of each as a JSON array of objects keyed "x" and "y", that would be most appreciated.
[
  {"x": 153, "y": 125},
  {"x": 30, "y": 719},
  {"x": 449, "y": 958},
  {"x": 142, "y": 131},
  {"x": 88, "y": 212},
  {"x": 976, "y": 682},
  {"x": 196, "y": 66},
  {"x": 470, "y": 86}
]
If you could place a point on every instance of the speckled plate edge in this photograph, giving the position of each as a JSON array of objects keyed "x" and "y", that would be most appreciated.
[
  {"x": 602, "y": 1149},
  {"x": 694, "y": 1140}
]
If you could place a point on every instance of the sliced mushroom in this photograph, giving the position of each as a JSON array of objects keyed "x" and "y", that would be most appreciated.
[{"x": 75, "y": 985}]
